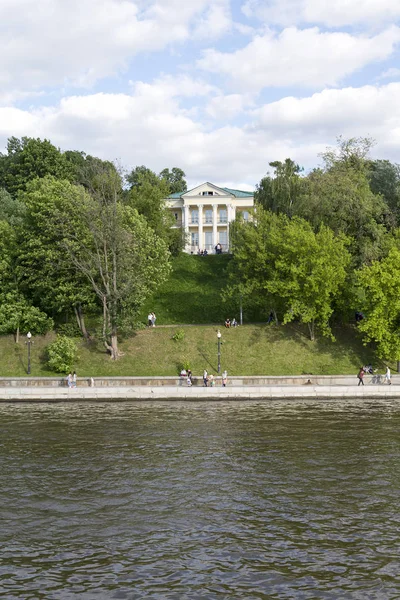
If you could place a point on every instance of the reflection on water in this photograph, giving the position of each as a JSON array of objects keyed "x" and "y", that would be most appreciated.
[{"x": 200, "y": 500}]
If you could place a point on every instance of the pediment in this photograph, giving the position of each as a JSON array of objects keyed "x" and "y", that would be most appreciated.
[{"x": 207, "y": 190}]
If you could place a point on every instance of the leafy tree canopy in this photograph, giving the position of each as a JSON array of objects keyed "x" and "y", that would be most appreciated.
[{"x": 30, "y": 158}]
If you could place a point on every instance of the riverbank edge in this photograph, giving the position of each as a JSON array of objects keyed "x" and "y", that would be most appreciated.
[{"x": 178, "y": 393}]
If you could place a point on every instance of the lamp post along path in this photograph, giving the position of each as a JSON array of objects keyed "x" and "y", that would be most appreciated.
[
  {"x": 29, "y": 341},
  {"x": 219, "y": 335}
]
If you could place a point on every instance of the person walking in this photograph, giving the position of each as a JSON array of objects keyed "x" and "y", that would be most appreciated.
[
  {"x": 153, "y": 319},
  {"x": 205, "y": 378},
  {"x": 224, "y": 378},
  {"x": 150, "y": 319},
  {"x": 69, "y": 380},
  {"x": 361, "y": 376},
  {"x": 74, "y": 379},
  {"x": 388, "y": 376}
]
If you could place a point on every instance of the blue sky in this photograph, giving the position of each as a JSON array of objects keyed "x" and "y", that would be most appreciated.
[{"x": 217, "y": 87}]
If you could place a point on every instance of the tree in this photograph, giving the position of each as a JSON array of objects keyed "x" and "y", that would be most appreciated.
[
  {"x": 175, "y": 180},
  {"x": 294, "y": 267},
  {"x": 16, "y": 311},
  {"x": 380, "y": 284},
  {"x": 11, "y": 209},
  {"x": 384, "y": 179},
  {"x": 148, "y": 198},
  {"x": 29, "y": 158},
  {"x": 46, "y": 272},
  {"x": 116, "y": 250},
  {"x": 142, "y": 174},
  {"x": 280, "y": 193}
]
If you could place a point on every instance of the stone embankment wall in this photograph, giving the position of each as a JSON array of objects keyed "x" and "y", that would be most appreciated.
[{"x": 326, "y": 380}]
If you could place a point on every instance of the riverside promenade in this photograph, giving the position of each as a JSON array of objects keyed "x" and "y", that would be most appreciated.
[{"x": 114, "y": 389}]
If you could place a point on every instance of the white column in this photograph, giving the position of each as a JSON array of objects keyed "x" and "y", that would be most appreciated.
[
  {"x": 188, "y": 241},
  {"x": 231, "y": 216},
  {"x": 201, "y": 243},
  {"x": 215, "y": 224}
]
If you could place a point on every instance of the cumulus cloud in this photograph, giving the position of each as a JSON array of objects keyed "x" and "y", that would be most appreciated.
[
  {"x": 52, "y": 42},
  {"x": 150, "y": 127},
  {"x": 308, "y": 58},
  {"x": 366, "y": 111},
  {"x": 330, "y": 13}
]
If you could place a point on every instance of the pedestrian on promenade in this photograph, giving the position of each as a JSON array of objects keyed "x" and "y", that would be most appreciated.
[
  {"x": 387, "y": 376},
  {"x": 205, "y": 378},
  {"x": 153, "y": 319},
  {"x": 224, "y": 378},
  {"x": 69, "y": 380},
  {"x": 361, "y": 376},
  {"x": 149, "y": 319},
  {"x": 74, "y": 379}
]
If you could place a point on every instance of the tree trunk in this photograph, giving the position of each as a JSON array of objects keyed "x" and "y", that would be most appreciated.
[
  {"x": 80, "y": 319},
  {"x": 275, "y": 317},
  {"x": 311, "y": 329},
  {"x": 398, "y": 366},
  {"x": 17, "y": 335}
]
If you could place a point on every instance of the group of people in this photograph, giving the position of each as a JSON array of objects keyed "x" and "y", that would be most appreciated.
[
  {"x": 370, "y": 371},
  {"x": 229, "y": 323},
  {"x": 71, "y": 380},
  {"x": 151, "y": 319},
  {"x": 209, "y": 381},
  {"x": 202, "y": 252}
]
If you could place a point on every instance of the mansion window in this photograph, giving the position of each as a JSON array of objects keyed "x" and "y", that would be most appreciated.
[
  {"x": 195, "y": 239},
  {"x": 223, "y": 216},
  {"x": 208, "y": 216},
  {"x": 194, "y": 219},
  {"x": 223, "y": 238}
]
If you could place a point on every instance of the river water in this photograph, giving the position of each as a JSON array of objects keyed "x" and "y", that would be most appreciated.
[{"x": 285, "y": 499}]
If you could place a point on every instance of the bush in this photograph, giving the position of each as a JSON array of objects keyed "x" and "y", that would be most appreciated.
[
  {"x": 178, "y": 335},
  {"x": 68, "y": 330},
  {"x": 62, "y": 354}
]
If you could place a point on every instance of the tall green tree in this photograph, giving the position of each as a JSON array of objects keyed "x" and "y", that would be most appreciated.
[
  {"x": 28, "y": 159},
  {"x": 46, "y": 272},
  {"x": 384, "y": 179},
  {"x": 280, "y": 192},
  {"x": 116, "y": 251},
  {"x": 148, "y": 198},
  {"x": 175, "y": 180},
  {"x": 380, "y": 284},
  {"x": 16, "y": 310},
  {"x": 292, "y": 266}
]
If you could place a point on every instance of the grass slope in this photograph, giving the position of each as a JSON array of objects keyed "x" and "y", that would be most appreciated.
[
  {"x": 192, "y": 294},
  {"x": 247, "y": 350}
]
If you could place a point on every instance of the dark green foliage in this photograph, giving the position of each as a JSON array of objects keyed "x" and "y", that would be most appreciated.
[{"x": 28, "y": 159}]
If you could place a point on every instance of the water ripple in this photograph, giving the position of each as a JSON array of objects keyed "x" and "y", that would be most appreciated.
[{"x": 295, "y": 499}]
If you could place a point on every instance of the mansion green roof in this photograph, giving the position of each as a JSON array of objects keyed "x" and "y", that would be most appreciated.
[{"x": 236, "y": 193}]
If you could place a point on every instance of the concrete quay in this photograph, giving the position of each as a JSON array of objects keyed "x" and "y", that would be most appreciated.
[{"x": 183, "y": 393}]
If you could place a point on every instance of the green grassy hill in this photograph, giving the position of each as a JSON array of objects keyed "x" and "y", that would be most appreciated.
[
  {"x": 247, "y": 350},
  {"x": 193, "y": 292}
]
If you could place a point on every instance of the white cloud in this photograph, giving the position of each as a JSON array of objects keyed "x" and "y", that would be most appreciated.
[
  {"x": 307, "y": 58},
  {"x": 226, "y": 107},
  {"x": 150, "y": 127},
  {"x": 46, "y": 43},
  {"x": 366, "y": 111},
  {"x": 332, "y": 13}
]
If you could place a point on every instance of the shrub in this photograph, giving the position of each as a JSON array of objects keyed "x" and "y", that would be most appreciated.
[
  {"x": 178, "y": 335},
  {"x": 68, "y": 330},
  {"x": 62, "y": 354}
]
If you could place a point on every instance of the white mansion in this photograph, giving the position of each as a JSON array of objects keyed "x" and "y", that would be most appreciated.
[{"x": 205, "y": 213}]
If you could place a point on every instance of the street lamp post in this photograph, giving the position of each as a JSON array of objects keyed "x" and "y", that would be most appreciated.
[
  {"x": 219, "y": 335},
  {"x": 29, "y": 336}
]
